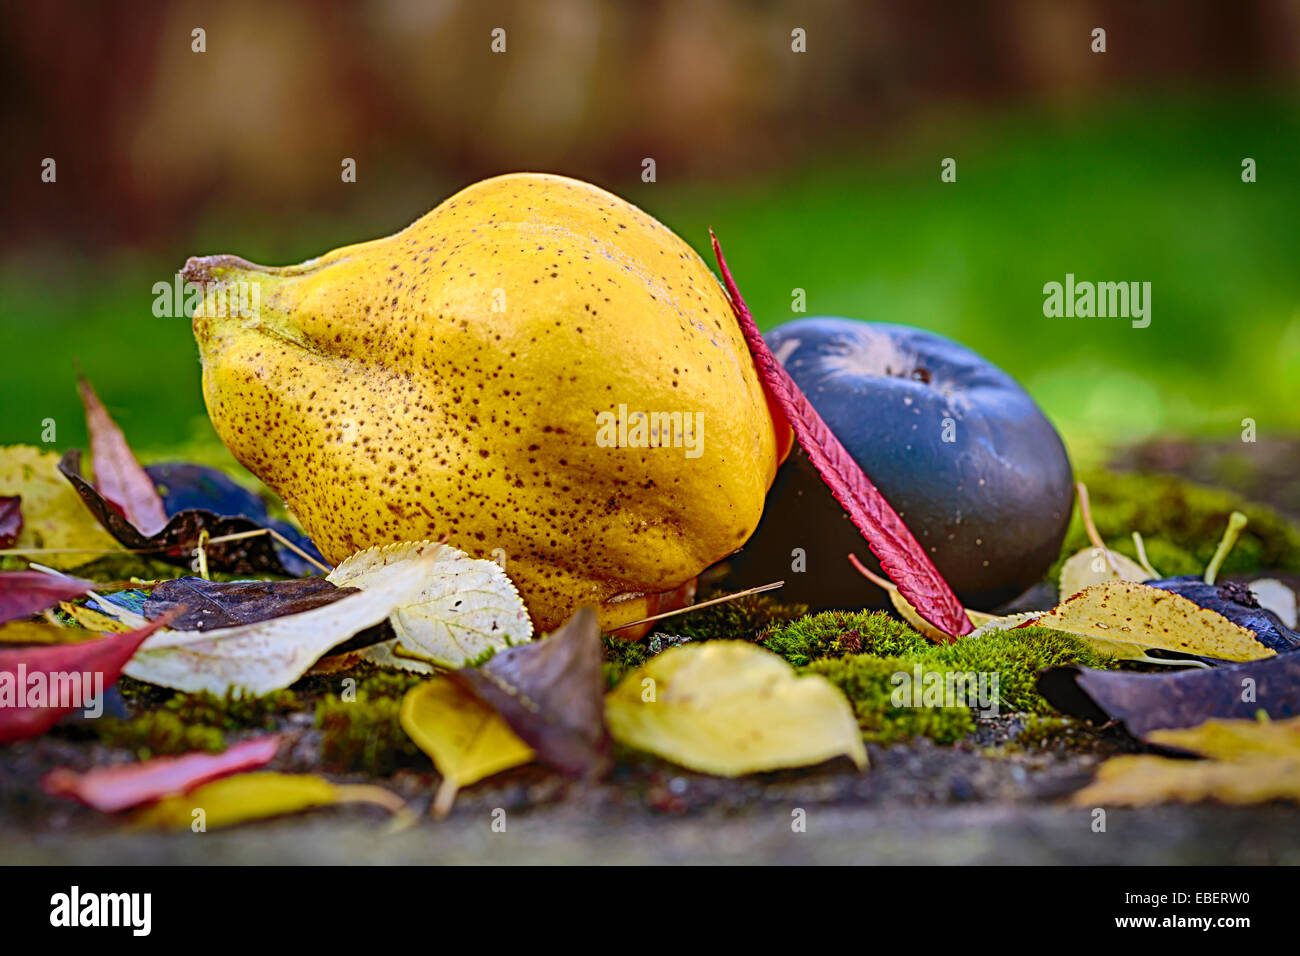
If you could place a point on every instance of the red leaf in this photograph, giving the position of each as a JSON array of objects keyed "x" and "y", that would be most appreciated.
[
  {"x": 901, "y": 556},
  {"x": 11, "y": 519},
  {"x": 118, "y": 476},
  {"x": 57, "y": 677},
  {"x": 28, "y": 592},
  {"x": 110, "y": 789}
]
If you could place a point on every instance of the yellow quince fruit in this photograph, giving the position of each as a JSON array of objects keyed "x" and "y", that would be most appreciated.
[{"x": 536, "y": 369}]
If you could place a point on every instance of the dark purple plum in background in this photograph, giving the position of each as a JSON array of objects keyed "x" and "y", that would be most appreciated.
[{"x": 959, "y": 449}]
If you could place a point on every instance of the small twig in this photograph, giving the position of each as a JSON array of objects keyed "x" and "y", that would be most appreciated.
[
  {"x": 444, "y": 798},
  {"x": 201, "y": 554},
  {"x": 883, "y": 583},
  {"x": 1085, "y": 512},
  {"x": 223, "y": 538},
  {"x": 695, "y": 607},
  {"x": 278, "y": 537}
]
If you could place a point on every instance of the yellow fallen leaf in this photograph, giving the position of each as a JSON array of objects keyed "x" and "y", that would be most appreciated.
[
  {"x": 58, "y": 530},
  {"x": 1142, "y": 781},
  {"x": 731, "y": 708},
  {"x": 466, "y": 738},
  {"x": 1093, "y": 566},
  {"x": 1253, "y": 761},
  {"x": 260, "y": 795},
  {"x": 42, "y": 632},
  {"x": 1134, "y": 613},
  {"x": 1223, "y": 739},
  {"x": 93, "y": 620},
  {"x": 1107, "y": 647}
]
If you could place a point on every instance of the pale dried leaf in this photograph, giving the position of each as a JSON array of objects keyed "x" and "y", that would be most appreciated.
[
  {"x": 272, "y": 654},
  {"x": 467, "y": 607},
  {"x": 1094, "y": 566}
]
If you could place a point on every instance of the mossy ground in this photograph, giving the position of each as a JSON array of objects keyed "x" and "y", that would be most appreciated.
[
  {"x": 1181, "y": 523},
  {"x": 354, "y": 715}
]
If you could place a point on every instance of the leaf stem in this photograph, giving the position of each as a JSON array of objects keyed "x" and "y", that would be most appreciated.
[{"x": 1236, "y": 522}]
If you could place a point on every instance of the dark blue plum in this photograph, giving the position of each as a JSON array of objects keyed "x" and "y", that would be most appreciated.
[{"x": 954, "y": 443}]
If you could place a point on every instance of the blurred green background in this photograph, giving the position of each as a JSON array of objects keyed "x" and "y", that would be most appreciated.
[{"x": 819, "y": 171}]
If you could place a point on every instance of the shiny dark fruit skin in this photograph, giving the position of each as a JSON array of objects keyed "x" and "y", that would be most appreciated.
[
  {"x": 1235, "y": 602},
  {"x": 991, "y": 506}
]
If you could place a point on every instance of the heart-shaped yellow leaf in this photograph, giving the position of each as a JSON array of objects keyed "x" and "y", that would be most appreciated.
[
  {"x": 731, "y": 708},
  {"x": 466, "y": 738}
]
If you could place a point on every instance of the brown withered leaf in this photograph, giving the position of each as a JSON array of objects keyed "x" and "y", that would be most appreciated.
[
  {"x": 176, "y": 542},
  {"x": 11, "y": 519},
  {"x": 551, "y": 694},
  {"x": 1147, "y": 702},
  {"x": 210, "y": 604},
  {"x": 118, "y": 476},
  {"x": 214, "y": 604}
]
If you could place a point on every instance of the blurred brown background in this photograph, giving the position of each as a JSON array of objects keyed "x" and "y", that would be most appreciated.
[{"x": 150, "y": 136}]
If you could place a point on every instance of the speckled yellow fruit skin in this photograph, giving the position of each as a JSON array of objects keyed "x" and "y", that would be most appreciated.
[{"x": 385, "y": 399}]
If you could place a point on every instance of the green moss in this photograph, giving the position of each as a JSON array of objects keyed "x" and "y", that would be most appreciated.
[
  {"x": 837, "y": 633},
  {"x": 1181, "y": 523},
  {"x": 1165, "y": 556},
  {"x": 860, "y": 651},
  {"x": 1047, "y": 731},
  {"x": 364, "y": 734},
  {"x": 157, "y": 733},
  {"x": 233, "y": 711},
  {"x": 744, "y": 619},
  {"x": 1016, "y": 657},
  {"x": 621, "y": 656},
  {"x": 167, "y": 722},
  {"x": 867, "y": 683}
]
